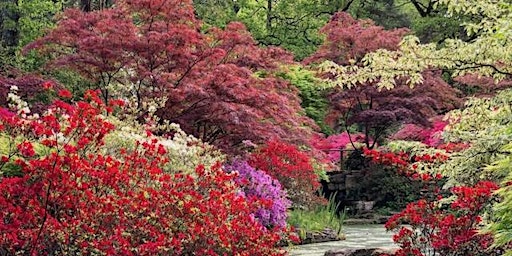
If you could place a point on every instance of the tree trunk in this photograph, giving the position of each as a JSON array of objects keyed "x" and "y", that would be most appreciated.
[
  {"x": 85, "y": 5},
  {"x": 9, "y": 24}
]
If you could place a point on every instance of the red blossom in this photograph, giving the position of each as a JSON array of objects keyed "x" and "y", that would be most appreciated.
[
  {"x": 26, "y": 149},
  {"x": 75, "y": 200},
  {"x": 291, "y": 167},
  {"x": 65, "y": 94},
  {"x": 447, "y": 231}
]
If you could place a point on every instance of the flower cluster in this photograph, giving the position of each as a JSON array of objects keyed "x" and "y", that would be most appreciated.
[
  {"x": 334, "y": 143},
  {"x": 406, "y": 164},
  {"x": 439, "y": 230},
  {"x": 291, "y": 167},
  {"x": 72, "y": 199},
  {"x": 256, "y": 183},
  {"x": 451, "y": 147}
]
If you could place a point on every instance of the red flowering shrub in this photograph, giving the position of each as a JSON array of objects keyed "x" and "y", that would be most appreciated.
[
  {"x": 438, "y": 226},
  {"x": 437, "y": 229},
  {"x": 291, "y": 167},
  {"x": 406, "y": 164},
  {"x": 71, "y": 199}
]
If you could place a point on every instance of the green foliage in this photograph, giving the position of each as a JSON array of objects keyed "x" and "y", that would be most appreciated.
[
  {"x": 318, "y": 219},
  {"x": 36, "y": 16},
  {"x": 29, "y": 19},
  {"x": 412, "y": 148},
  {"x": 437, "y": 28},
  {"x": 291, "y": 24},
  {"x": 386, "y": 13},
  {"x": 313, "y": 96},
  {"x": 502, "y": 225},
  {"x": 488, "y": 54},
  {"x": 484, "y": 123},
  {"x": 502, "y": 222},
  {"x": 388, "y": 188}
]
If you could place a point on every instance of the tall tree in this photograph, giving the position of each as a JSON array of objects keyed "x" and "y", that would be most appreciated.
[
  {"x": 372, "y": 111},
  {"x": 154, "y": 53},
  {"x": 290, "y": 24},
  {"x": 9, "y": 19}
]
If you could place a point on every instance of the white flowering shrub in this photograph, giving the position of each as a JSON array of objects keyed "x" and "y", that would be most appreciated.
[{"x": 185, "y": 152}]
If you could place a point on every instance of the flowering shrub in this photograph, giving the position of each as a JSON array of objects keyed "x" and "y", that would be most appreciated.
[
  {"x": 29, "y": 87},
  {"x": 408, "y": 165},
  {"x": 332, "y": 144},
  {"x": 259, "y": 184},
  {"x": 184, "y": 151},
  {"x": 448, "y": 230},
  {"x": 71, "y": 199},
  {"x": 442, "y": 222},
  {"x": 292, "y": 168},
  {"x": 431, "y": 136}
]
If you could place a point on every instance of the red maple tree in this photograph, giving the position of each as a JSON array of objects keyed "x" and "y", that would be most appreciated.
[
  {"x": 371, "y": 110},
  {"x": 216, "y": 84}
]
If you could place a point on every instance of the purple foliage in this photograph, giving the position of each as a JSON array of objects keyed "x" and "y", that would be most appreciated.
[{"x": 259, "y": 184}]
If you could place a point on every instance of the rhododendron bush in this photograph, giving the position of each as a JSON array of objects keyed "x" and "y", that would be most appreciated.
[
  {"x": 441, "y": 228},
  {"x": 336, "y": 142},
  {"x": 259, "y": 184},
  {"x": 442, "y": 222},
  {"x": 292, "y": 168},
  {"x": 184, "y": 152},
  {"x": 71, "y": 199}
]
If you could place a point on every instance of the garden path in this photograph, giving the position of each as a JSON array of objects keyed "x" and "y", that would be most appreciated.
[{"x": 357, "y": 236}]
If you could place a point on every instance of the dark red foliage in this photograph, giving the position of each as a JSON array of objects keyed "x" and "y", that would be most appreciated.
[
  {"x": 348, "y": 38},
  {"x": 155, "y": 50},
  {"x": 481, "y": 86},
  {"x": 375, "y": 111},
  {"x": 74, "y": 200},
  {"x": 31, "y": 88}
]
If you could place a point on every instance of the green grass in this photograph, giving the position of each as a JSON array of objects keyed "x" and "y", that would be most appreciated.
[{"x": 318, "y": 219}]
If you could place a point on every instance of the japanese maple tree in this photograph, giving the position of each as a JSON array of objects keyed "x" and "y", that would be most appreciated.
[
  {"x": 371, "y": 110},
  {"x": 218, "y": 85},
  {"x": 29, "y": 87}
]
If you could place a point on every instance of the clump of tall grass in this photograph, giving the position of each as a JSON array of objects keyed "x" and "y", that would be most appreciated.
[{"x": 318, "y": 219}]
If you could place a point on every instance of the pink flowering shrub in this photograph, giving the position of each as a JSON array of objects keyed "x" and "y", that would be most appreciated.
[
  {"x": 431, "y": 136},
  {"x": 334, "y": 143}
]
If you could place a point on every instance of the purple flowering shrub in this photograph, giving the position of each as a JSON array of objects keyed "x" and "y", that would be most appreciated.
[{"x": 257, "y": 183}]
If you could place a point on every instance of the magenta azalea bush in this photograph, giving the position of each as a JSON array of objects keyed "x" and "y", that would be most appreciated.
[
  {"x": 332, "y": 144},
  {"x": 257, "y": 183}
]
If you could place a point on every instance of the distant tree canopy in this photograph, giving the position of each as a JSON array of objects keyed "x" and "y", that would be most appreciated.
[{"x": 294, "y": 24}]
